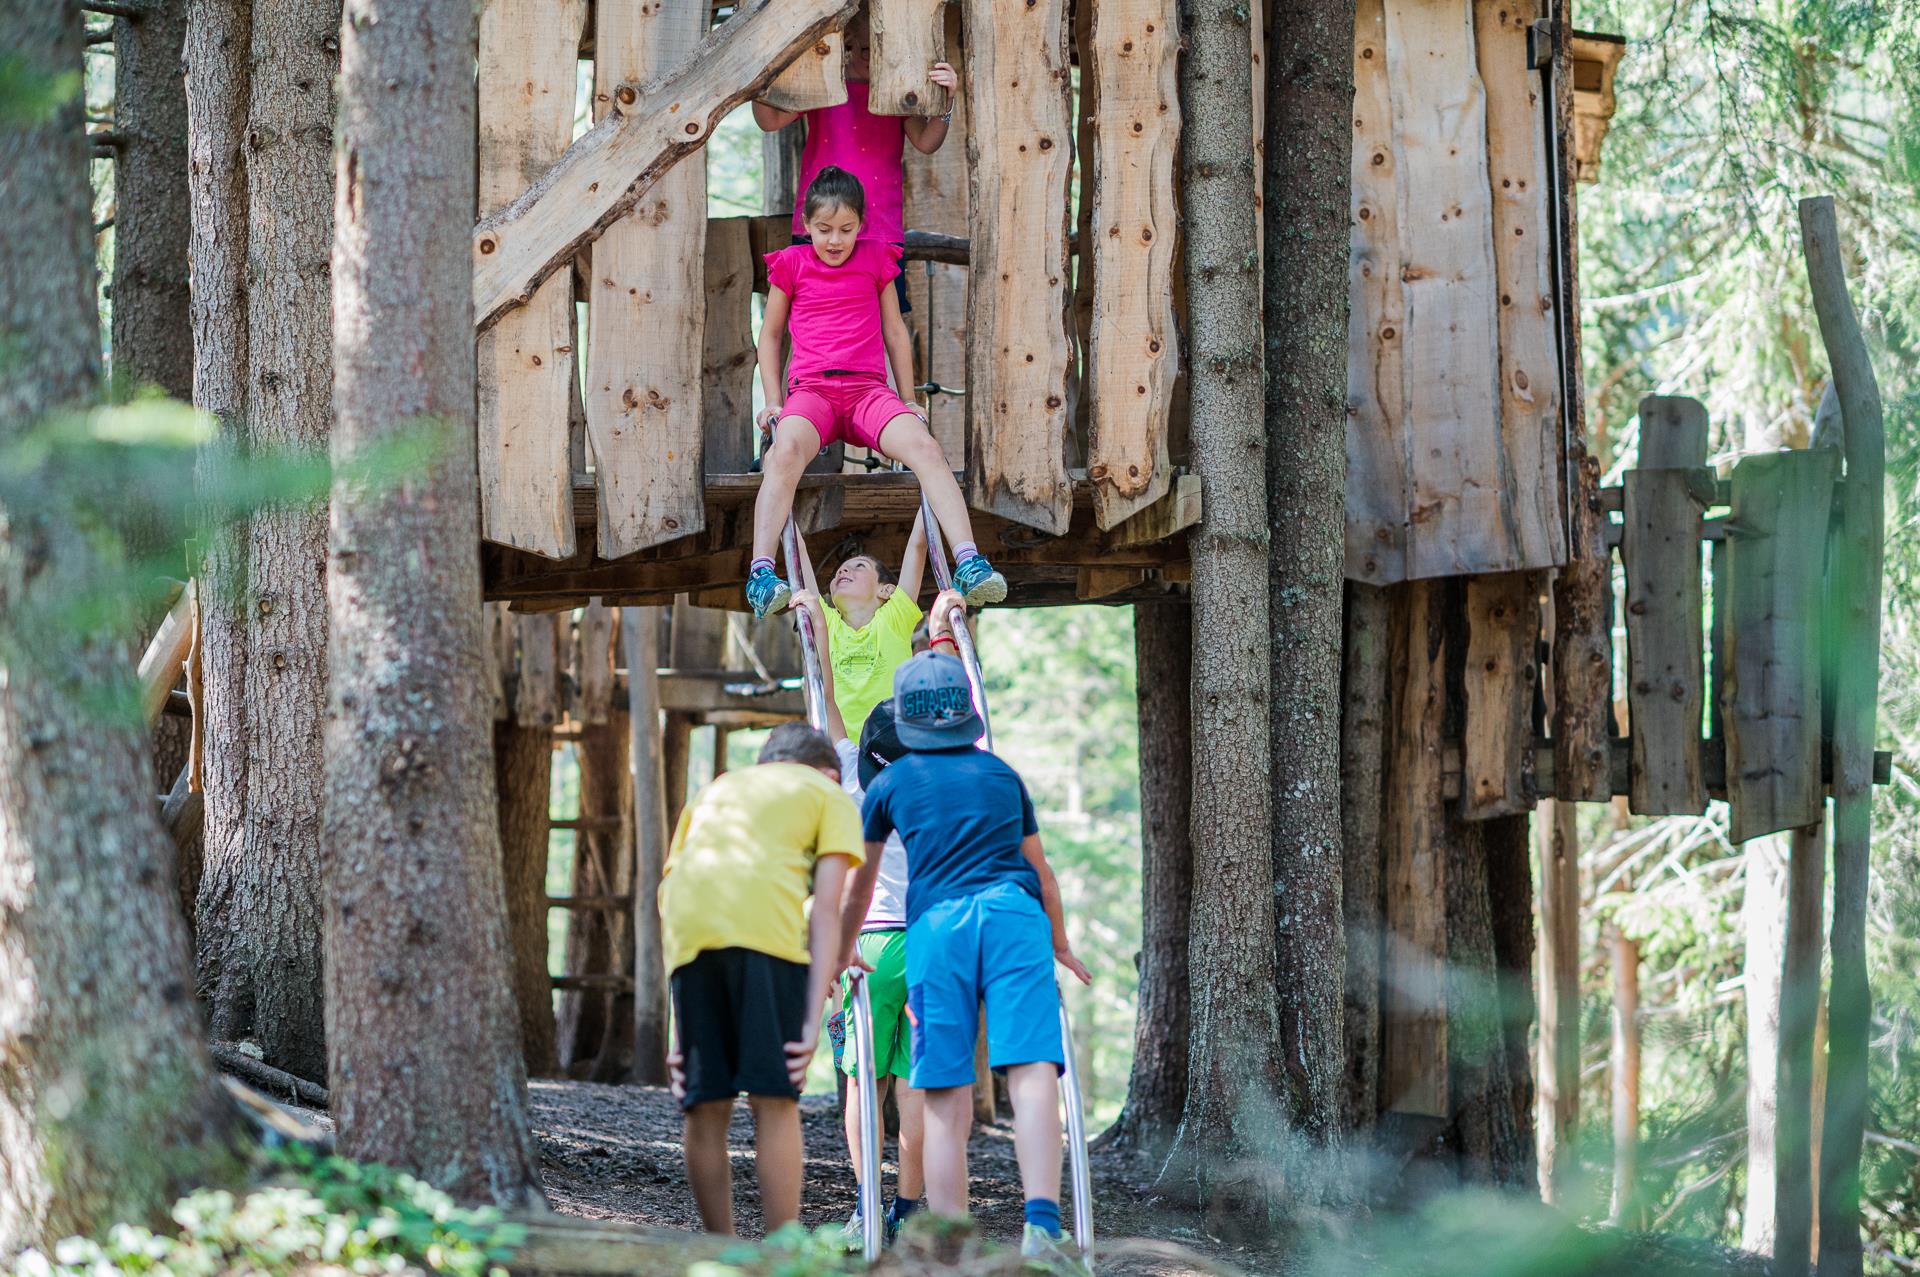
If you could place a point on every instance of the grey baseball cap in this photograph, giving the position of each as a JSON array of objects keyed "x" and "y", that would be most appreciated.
[{"x": 932, "y": 703}]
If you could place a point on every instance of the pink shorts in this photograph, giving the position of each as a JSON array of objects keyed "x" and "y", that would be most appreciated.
[{"x": 850, "y": 410}]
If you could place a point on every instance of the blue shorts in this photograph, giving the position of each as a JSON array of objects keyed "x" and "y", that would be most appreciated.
[{"x": 994, "y": 946}]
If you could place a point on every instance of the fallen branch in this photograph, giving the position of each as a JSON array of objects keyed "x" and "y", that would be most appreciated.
[{"x": 275, "y": 1082}]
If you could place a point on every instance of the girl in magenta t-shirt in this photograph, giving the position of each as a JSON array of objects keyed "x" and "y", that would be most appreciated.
[{"x": 834, "y": 297}]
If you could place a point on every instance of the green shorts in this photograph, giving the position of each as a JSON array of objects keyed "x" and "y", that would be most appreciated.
[{"x": 886, "y": 953}]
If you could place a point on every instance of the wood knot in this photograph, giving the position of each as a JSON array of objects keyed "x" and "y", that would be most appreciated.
[
  {"x": 487, "y": 246},
  {"x": 625, "y": 94}
]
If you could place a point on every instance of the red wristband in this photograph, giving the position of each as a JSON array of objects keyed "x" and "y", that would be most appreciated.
[{"x": 947, "y": 639}]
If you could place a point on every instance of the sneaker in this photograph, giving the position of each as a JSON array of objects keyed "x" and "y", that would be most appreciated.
[
  {"x": 898, "y": 1215},
  {"x": 1052, "y": 1252},
  {"x": 766, "y": 592},
  {"x": 854, "y": 1235},
  {"x": 978, "y": 583}
]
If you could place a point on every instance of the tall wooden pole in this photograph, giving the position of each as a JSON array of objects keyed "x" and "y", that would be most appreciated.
[
  {"x": 640, "y": 630},
  {"x": 1557, "y": 836},
  {"x": 1625, "y": 955},
  {"x": 1856, "y": 589},
  {"x": 1799, "y": 1013}
]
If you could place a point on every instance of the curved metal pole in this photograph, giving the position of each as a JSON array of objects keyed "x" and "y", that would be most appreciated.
[
  {"x": 816, "y": 687},
  {"x": 1077, "y": 1142},
  {"x": 957, "y": 622},
  {"x": 860, "y": 1033}
]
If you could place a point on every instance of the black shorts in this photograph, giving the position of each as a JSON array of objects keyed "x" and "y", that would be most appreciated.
[
  {"x": 736, "y": 1010},
  {"x": 899, "y": 281}
]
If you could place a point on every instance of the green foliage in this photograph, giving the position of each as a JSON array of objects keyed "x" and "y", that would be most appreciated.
[
  {"x": 29, "y": 95},
  {"x": 318, "y": 1210}
]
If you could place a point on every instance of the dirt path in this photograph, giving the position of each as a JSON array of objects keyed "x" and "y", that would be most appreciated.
[{"x": 613, "y": 1152}]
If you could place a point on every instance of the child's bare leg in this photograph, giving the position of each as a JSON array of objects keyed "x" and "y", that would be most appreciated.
[
  {"x": 913, "y": 1135},
  {"x": 850, "y": 1118},
  {"x": 778, "y": 1157},
  {"x": 949, "y": 1123},
  {"x": 795, "y": 443},
  {"x": 1035, "y": 1092},
  {"x": 905, "y": 439},
  {"x": 704, "y": 1140}
]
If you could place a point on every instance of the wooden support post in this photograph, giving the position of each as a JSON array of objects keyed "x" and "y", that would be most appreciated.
[
  {"x": 536, "y": 695},
  {"x": 1134, "y": 350},
  {"x": 647, "y": 335},
  {"x": 1019, "y": 355},
  {"x": 675, "y": 753},
  {"x": 721, "y": 739},
  {"x": 908, "y": 37},
  {"x": 640, "y": 630},
  {"x": 1799, "y": 1017},
  {"x": 1557, "y": 1084},
  {"x": 1625, "y": 1072},
  {"x": 529, "y": 52},
  {"x": 593, "y": 663},
  {"x": 1413, "y": 1067},
  {"x": 1363, "y": 722},
  {"x": 1770, "y": 691},
  {"x": 1503, "y": 634},
  {"x": 1857, "y": 556},
  {"x": 726, "y": 369},
  {"x": 165, "y": 657},
  {"x": 1666, "y": 681}
]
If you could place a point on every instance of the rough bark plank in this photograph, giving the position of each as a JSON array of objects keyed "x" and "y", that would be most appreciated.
[
  {"x": 593, "y": 652},
  {"x": 909, "y": 36},
  {"x": 523, "y": 781},
  {"x": 816, "y": 78},
  {"x": 727, "y": 362},
  {"x": 1503, "y": 627},
  {"x": 1665, "y": 637},
  {"x": 1363, "y": 721},
  {"x": 529, "y": 51},
  {"x": 936, "y": 201},
  {"x": 425, "y": 1068},
  {"x": 1378, "y": 489},
  {"x": 648, "y": 308},
  {"x": 1178, "y": 510},
  {"x": 1413, "y": 1056},
  {"x": 165, "y": 656},
  {"x": 640, "y": 628},
  {"x": 1771, "y": 684},
  {"x": 1019, "y": 148},
  {"x": 536, "y": 685},
  {"x": 1133, "y": 348},
  {"x": 1856, "y": 694},
  {"x": 604, "y": 174}
]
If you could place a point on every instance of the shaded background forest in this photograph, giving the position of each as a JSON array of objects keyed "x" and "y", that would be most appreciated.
[{"x": 1692, "y": 284}]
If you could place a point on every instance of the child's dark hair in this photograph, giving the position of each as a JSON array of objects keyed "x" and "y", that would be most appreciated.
[
  {"x": 798, "y": 743},
  {"x": 834, "y": 187},
  {"x": 886, "y": 574}
]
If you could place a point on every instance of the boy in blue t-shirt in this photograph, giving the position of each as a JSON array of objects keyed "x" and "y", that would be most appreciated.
[{"x": 984, "y": 923}]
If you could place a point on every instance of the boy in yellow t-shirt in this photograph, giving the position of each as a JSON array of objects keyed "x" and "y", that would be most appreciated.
[
  {"x": 869, "y": 628},
  {"x": 749, "y": 969}
]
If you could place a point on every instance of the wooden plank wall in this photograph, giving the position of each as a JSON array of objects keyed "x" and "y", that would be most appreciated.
[
  {"x": 529, "y": 51},
  {"x": 647, "y": 308},
  {"x": 727, "y": 367},
  {"x": 1454, "y": 447},
  {"x": 1500, "y": 677},
  {"x": 936, "y": 200},
  {"x": 1134, "y": 349},
  {"x": 908, "y": 37},
  {"x": 1019, "y": 148},
  {"x": 1771, "y": 691}
]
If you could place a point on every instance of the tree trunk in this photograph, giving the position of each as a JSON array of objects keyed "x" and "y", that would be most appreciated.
[
  {"x": 1625, "y": 1070},
  {"x": 108, "y": 1103},
  {"x": 1558, "y": 1111},
  {"x": 1362, "y": 759},
  {"x": 523, "y": 777},
  {"x": 1479, "y": 1095},
  {"x": 1235, "y": 1073},
  {"x": 425, "y": 1065},
  {"x": 259, "y": 906},
  {"x": 152, "y": 336},
  {"x": 1157, "y": 1086},
  {"x": 1308, "y": 169},
  {"x": 1510, "y": 893},
  {"x": 1765, "y": 913}
]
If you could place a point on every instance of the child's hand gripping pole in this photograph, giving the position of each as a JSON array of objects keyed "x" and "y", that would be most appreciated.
[
  {"x": 957, "y": 622},
  {"x": 816, "y": 692}
]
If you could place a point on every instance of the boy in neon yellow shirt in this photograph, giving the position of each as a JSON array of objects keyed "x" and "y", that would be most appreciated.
[
  {"x": 869, "y": 628},
  {"x": 750, "y": 969}
]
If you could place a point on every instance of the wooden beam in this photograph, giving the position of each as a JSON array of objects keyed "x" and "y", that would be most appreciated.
[
  {"x": 1501, "y": 677},
  {"x": 1133, "y": 352},
  {"x": 1776, "y": 562},
  {"x": 1019, "y": 355},
  {"x": 165, "y": 657},
  {"x": 536, "y": 685},
  {"x": 1666, "y": 684},
  {"x": 816, "y": 78},
  {"x": 604, "y": 174},
  {"x": 593, "y": 663},
  {"x": 909, "y": 36},
  {"x": 528, "y": 62},
  {"x": 1099, "y": 582},
  {"x": 557, "y": 1246},
  {"x": 727, "y": 361},
  {"x": 640, "y": 632}
]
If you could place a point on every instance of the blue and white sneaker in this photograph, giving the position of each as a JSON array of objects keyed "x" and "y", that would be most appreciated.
[
  {"x": 1052, "y": 1253},
  {"x": 978, "y": 583},
  {"x": 766, "y": 592}
]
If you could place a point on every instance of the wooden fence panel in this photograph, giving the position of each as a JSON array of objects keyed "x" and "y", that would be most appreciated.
[
  {"x": 909, "y": 36},
  {"x": 1772, "y": 694},
  {"x": 1501, "y": 673},
  {"x": 1377, "y": 487},
  {"x": 815, "y": 79},
  {"x": 1018, "y": 354},
  {"x": 727, "y": 368},
  {"x": 1665, "y": 638},
  {"x": 1133, "y": 348},
  {"x": 647, "y": 309},
  {"x": 528, "y": 55},
  {"x": 1673, "y": 432}
]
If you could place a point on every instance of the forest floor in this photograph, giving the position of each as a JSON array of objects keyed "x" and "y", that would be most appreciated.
[{"x": 613, "y": 1153}]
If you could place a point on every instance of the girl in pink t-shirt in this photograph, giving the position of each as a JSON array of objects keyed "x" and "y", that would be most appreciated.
[{"x": 834, "y": 297}]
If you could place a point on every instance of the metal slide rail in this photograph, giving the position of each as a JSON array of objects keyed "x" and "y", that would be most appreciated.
[
  {"x": 1080, "y": 1167},
  {"x": 860, "y": 1031}
]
